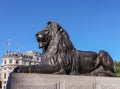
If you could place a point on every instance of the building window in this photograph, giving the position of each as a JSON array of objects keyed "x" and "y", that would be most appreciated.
[
  {"x": 5, "y": 68},
  {"x": 16, "y": 61},
  {"x": 24, "y": 63},
  {"x": 4, "y": 82},
  {"x": 37, "y": 58},
  {"x": 10, "y": 61},
  {"x": 5, "y": 75},
  {"x": 10, "y": 68},
  {"x": 5, "y": 62}
]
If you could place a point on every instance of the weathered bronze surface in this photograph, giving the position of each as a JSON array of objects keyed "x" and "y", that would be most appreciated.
[{"x": 61, "y": 57}]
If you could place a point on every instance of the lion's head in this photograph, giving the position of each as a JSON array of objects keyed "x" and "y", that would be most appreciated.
[{"x": 53, "y": 35}]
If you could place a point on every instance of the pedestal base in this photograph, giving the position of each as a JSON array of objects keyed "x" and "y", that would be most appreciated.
[{"x": 51, "y": 81}]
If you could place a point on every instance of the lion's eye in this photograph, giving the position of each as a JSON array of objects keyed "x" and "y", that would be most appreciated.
[{"x": 46, "y": 31}]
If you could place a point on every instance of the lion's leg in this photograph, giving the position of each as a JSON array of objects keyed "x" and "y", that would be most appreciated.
[
  {"x": 46, "y": 69},
  {"x": 60, "y": 72},
  {"x": 106, "y": 61},
  {"x": 100, "y": 71},
  {"x": 75, "y": 69}
]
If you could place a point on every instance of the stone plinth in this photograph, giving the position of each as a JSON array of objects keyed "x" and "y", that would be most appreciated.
[{"x": 50, "y": 81}]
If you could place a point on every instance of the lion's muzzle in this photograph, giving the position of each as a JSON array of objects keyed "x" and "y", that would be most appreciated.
[
  {"x": 39, "y": 37},
  {"x": 41, "y": 40}
]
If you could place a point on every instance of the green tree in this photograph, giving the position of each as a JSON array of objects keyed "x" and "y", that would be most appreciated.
[{"x": 117, "y": 65}]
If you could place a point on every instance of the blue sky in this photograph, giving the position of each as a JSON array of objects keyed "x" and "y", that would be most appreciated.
[{"x": 92, "y": 24}]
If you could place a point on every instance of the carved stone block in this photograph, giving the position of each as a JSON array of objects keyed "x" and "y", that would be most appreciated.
[{"x": 50, "y": 81}]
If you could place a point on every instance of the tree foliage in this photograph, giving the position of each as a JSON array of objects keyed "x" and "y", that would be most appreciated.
[{"x": 117, "y": 65}]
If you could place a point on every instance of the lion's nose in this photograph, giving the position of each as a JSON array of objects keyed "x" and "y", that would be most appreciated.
[
  {"x": 39, "y": 37},
  {"x": 37, "y": 34}
]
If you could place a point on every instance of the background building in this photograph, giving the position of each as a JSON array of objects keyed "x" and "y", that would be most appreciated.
[
  {"x": 13, "y": 59},
  {"x": 36, "y": 57}
]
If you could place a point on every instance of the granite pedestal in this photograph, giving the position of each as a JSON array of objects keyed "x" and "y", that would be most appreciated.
[{"x": 51, "y": 81}]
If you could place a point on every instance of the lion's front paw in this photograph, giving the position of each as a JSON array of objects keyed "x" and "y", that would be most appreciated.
[{"x": 17, "y": 70}]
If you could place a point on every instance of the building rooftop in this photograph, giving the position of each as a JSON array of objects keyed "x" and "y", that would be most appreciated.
[
  {"x": 27, "y": 54},
  {"x": 12, "y": 54}
]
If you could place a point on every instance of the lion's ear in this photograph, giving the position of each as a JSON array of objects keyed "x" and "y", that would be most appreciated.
[
  {"x": 49, "y": 23},
  {"x": 60, "y": 29}
]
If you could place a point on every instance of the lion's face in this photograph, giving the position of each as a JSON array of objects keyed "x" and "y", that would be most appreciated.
[{"x": 43, "y": 37}]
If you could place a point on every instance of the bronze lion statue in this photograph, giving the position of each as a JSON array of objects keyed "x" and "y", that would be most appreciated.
[{"x": 61, "y": 57}]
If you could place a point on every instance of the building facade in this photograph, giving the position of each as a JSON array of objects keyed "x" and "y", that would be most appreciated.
[{"x": 13, "y": 59}]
